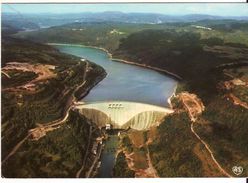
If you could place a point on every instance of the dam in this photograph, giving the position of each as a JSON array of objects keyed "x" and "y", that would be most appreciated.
[{"x": 123, "y": 114}]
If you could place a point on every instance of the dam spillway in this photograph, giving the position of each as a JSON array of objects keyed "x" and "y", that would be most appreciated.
[{"x": 123, "y": 114}]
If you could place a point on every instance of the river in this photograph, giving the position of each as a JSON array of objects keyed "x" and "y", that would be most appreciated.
[
  {"x": 123, "y": 83},
  {"x": 108, "y": 157}
]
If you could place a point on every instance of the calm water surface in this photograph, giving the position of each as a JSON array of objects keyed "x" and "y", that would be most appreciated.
[
  {"x": 124, "y": 82},
  {"x": 108, "y": 157}
]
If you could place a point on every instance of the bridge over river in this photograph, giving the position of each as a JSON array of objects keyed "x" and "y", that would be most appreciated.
[{"x": 123, "y": 114}]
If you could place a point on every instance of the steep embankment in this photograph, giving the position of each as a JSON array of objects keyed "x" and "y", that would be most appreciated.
[{"x": 39, "y": 85}]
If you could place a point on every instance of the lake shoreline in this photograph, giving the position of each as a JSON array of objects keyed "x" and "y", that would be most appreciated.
[
  {"x": 88, "y": 89},
  {"x": 172, "y": 75}
]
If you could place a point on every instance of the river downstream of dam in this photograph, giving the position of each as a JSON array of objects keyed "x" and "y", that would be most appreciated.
[{"x": 123, "y": 82}]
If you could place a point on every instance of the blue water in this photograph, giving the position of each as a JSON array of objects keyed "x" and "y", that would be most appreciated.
[
  {"x": 124, "y": 82},
  {"x": 108, "y": 157}
]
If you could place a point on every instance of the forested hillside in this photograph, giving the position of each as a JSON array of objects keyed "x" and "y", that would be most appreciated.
[
  {"x": 38, "y": 87},
  {"x": 212, "y": 69}
]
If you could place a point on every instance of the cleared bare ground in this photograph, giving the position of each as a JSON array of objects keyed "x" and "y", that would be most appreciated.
[{"x": 43, "y": 71}]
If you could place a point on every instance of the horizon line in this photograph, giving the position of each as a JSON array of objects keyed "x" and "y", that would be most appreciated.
[{"x": 179, "y": 15}]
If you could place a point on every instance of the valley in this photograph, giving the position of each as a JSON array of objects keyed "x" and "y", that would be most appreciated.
[{"x": 125, "y": 99}]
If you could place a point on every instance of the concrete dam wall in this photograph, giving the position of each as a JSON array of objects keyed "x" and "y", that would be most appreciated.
[{"x": 123, "y": 114}]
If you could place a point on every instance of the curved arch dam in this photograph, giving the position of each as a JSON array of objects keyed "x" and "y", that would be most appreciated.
[
  {"x": 129, "y": 96},
  {"x": 123, "y": 114}
]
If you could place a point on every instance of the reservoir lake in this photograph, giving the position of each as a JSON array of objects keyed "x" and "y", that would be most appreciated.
[{"x": 124, "y": 82}]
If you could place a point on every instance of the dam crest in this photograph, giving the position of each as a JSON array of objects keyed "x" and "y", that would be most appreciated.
[{"x": 123, "y": 114}]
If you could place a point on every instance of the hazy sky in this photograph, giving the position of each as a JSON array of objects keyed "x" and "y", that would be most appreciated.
[{"x": 224, "y": 9}]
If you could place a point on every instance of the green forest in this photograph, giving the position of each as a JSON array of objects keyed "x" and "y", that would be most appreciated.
[
  {"x": 24, "y": 110},
  {"x": 203, "y": 58},
  {"x": 59, "y": 154}
]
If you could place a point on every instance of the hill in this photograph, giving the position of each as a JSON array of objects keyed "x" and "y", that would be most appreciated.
[
  {"x": 109, "y": 34},
  {"x": 211, "y": 57},
  {"x": 55, "y": 19},
  {"x": 39, "y": 84},
  {"x": 217, "y": 73}
]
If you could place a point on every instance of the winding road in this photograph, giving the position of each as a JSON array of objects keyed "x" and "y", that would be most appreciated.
[
  {"x": 15, "y": 149},
  {"x": 49, "y": 125},
  {"x": 95, "y": 161},
  {"x": 193, "y": 116},
  {"x": 209, "y": 150},
  {"x": 86, "y": 154}
]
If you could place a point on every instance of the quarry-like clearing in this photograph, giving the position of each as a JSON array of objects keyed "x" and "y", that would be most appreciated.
[{"x": 43, "y": 71}]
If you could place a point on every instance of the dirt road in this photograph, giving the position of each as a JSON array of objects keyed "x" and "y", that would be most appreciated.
[
  {"x": 86, "y": 154},
  {"x": 94, "y": 162},
  {"x": 195, "y": 107},
  {"x": 210, "y": 152},
  {"x": 15, "y": 149},
  {"x": 51, "y": 125}
]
